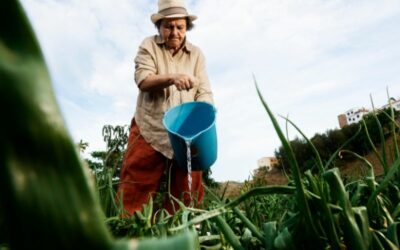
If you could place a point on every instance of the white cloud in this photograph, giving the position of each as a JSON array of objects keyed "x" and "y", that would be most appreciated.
[{"x": 312, "y": 60}]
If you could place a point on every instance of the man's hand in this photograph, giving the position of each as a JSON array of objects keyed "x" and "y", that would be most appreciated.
[
  {"x": 183, "y": 81},
  {"x": 157, "y": 82}
]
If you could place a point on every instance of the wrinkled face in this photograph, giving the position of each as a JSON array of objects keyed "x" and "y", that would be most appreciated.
[{"x": 173, "y": 32}]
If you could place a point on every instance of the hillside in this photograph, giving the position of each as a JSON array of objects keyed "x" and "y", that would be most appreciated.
[
  {"x": 350, "y": 170},
  {"x": 355, "y": 168},
  {"x": 232, "y": 189}
]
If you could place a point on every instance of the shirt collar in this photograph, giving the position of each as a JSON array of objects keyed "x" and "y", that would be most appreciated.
[{"x": 187, "y": 46}]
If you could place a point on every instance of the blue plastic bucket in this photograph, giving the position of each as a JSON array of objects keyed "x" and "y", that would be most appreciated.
[{"x": 194, "y": 122}]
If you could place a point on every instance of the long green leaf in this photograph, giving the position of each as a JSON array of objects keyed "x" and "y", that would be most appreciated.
[
  {"x": 249, "y": 224},
  {"x": 46, "y": 200},
  {"x": 230, "y": 236},
  {"x": 41, "y": 174},
  {"x": 374, "y": 149},
  {"x": 370, "y": 178},
  {"x": 353, "y": 235},
  {"x": 393, "y": 125},
  {"x": 301, "y": 193},
  {"x": 379, "y": 241},
  {"x": 324, "y": 208},
  {"x": 361, "y": 216},
  {"x": 382, "y": 137},
  {"x": 393, "y": 233},
  {"x": 314, "y": 149},
  {"x": 270, "y": 233},
  {"x": 337, "y": 152},
  {"x": 389, "y": 175},
  {"x": 223, "y": 209},
  {"x": 284, "y": 240}
]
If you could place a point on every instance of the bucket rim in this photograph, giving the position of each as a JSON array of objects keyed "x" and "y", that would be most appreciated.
[{"x": 189, "y": 103}]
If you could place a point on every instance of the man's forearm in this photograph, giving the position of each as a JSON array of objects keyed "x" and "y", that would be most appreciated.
[{"x": 156, "y": 82}]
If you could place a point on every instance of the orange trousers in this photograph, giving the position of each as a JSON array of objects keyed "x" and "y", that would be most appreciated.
[{"x": 142, "y": 169}]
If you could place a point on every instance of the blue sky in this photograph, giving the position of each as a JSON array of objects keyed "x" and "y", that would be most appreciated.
[{"x": 312, "y": 59}]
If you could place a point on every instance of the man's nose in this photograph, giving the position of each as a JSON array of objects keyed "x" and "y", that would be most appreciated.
[{"x": 174, "y": 31}]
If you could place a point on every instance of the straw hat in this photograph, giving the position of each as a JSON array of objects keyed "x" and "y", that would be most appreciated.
[{"x": 171, "y": 9}]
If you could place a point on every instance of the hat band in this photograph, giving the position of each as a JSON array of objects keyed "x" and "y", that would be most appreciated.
[{"x": 173, "y": 11}]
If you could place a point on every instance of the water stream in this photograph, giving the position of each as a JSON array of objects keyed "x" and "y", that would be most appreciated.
[{"x": 189, "y": 166}]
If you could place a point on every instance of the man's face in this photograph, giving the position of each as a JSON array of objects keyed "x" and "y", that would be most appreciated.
[{"x": 173, "y": 32}]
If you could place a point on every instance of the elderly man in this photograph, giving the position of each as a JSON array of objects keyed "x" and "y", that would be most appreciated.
[{"x": 168, "y": 71}]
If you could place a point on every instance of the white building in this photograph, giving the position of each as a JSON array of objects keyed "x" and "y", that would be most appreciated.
[
  {"x": 356, "y": 114},
  {"x": 267, "y": 162},
  {"x": 351, "y": 116},
  {"x": 395, "y": 104}
]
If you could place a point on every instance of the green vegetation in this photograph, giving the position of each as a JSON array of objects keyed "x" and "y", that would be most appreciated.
[
  {"x": 317, "y": 209},
  {"x": 47, "y": 201},
  {"x": 374, "y": 127}
]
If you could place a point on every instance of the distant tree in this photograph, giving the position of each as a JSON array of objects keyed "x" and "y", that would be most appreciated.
[
  {"x": 301, "y": 151},
  {"x": 106, "y": 165},
  {"x": 349, "y": 131},
  {"x": 336, "y": 139},
  {"x": 82, "y": 146},
  {"x": 372, "y": 127},
  {"x": 208, "y": 180},
  {"x": 116, "y": 138},
  {"x": 322, "y": 143}
]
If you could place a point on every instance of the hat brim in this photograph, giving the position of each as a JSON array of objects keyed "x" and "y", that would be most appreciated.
[{"x": 156, "y": 17}]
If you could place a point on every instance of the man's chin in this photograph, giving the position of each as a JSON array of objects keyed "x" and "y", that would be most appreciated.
[{"x": 174, "y": 45}]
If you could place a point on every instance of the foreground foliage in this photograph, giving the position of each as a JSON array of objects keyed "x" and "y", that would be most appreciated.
[{"x": 47, "y": 201}]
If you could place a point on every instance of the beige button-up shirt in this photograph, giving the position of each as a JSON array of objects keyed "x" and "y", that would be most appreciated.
[{"x": 154, "y": 58}]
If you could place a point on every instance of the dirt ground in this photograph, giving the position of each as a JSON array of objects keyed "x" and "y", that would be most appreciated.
[
  {"x": 356, "y": 168},
  {"x": 233, "y": 189}
]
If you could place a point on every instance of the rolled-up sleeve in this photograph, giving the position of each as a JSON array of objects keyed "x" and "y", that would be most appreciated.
[
  {"x": 204, "y": 92},
  {"x": 153, "y": 58},
  {"x": 144, "y": 63}
]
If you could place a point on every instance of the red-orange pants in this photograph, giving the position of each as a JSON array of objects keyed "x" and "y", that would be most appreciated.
[{"x": 141, "y": 172}]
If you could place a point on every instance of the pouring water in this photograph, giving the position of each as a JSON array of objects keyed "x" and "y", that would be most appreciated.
[{"x": 189, "y": 166}]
